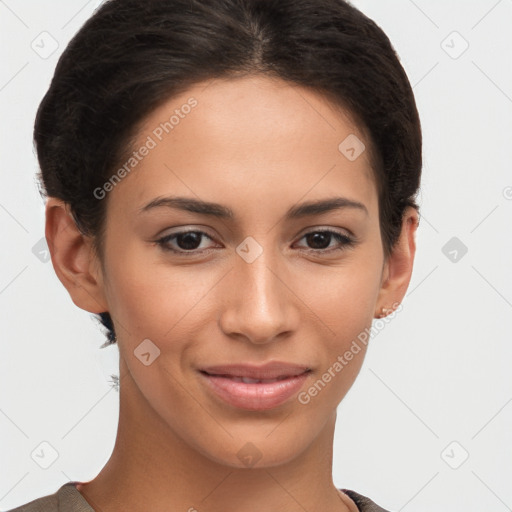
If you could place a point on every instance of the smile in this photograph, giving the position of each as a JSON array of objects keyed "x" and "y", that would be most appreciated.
[{"x": 255, "y": 388}]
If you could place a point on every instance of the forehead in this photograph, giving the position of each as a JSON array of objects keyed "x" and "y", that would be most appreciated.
[{"x": 253, "y": 137}]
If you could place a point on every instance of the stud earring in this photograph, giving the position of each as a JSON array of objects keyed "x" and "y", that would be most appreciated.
[{"x": 384, "y": 312}]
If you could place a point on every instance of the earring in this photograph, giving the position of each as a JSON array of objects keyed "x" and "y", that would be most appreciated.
[{"x": 384, "y": 312}]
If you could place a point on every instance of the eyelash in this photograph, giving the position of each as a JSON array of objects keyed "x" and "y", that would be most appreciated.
[{"x": 347, "y": 242}]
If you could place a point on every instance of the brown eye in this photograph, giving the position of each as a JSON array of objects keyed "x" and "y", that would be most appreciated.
[
  {"x": 320, "y": 241},
  {"x": 184, "y": 242}
]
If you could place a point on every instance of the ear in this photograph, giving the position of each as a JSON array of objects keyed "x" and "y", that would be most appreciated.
[
  {"x": 73, "y": 258},
  {"x": 397, "y": 269}
]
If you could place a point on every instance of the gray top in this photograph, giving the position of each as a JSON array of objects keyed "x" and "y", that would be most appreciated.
[{"x": 68, "y": 499}]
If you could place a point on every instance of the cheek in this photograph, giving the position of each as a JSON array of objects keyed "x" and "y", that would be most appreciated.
[
  {"x": 343, "y": 300},
  {"x": 152, "y": 299},
  {"x": 344, "y": 307},
  {"x": 342, "y": 297}
]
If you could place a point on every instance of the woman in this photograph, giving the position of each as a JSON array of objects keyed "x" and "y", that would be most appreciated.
[{"x": 231, "y": 186}]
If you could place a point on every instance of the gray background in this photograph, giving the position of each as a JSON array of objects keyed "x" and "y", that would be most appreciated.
[{"x": 427, "y": 426}]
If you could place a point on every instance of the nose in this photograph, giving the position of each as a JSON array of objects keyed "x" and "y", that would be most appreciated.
[{"x": 258, "y": 303}]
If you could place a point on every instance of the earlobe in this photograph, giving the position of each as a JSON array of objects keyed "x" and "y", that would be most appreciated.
[
  {"x": 398, "y": 268},
  {"x": 73, "y": 258}
]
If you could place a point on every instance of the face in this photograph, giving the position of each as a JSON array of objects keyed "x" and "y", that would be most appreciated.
[{"x": 259, "y": 278}]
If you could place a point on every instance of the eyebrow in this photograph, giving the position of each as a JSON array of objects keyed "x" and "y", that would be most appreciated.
[{"x": 223, "y": 212}]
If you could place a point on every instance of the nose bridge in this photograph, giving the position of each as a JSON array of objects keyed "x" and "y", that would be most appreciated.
[
  {"x": 259, "y": 306},
  {"x": 259, "y": 283}
]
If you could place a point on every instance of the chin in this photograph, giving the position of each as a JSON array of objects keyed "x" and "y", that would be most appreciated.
[{"x": 256, "y": 451}]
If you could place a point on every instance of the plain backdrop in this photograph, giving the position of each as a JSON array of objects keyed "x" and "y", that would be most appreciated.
[{"x": 427, "y": 426}]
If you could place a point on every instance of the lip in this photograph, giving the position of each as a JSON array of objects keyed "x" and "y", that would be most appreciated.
[
  {"x": 226, "y": 383},
  {"x": 271, "y": 370}
]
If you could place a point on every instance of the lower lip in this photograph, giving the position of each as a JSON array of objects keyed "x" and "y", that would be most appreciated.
[{"x": 255, "y": 397}]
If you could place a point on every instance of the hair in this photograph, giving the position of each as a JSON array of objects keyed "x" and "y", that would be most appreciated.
[{"x": 132, "y": 56}]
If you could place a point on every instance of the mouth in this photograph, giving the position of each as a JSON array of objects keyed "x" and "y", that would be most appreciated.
[
  {"x": 255, "y": 387},
  {"x": 268, "y": 371},
  {"x": 247, "y": 380}
]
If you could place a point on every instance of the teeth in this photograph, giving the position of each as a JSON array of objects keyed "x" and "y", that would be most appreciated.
[
  {"x": 250, "y": 381},
  {"x": 247, "y": 380}
]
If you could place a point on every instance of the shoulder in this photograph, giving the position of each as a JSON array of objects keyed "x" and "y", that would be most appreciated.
[
  {"x": 65, "y": 499},
  {"x": 363, "y": 503}
]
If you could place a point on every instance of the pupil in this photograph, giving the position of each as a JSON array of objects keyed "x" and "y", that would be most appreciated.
[
  {"x": 316, "y": 239},
  {"x": 189, "y": 240}
]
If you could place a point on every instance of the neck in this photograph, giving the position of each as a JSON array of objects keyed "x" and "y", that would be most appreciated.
[{"x": 151, "y": 468}]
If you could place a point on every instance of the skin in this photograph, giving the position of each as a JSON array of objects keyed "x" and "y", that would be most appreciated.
[{"x": 258, "y": 146}]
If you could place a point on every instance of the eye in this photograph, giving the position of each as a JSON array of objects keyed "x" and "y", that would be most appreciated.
[
  {"x": 188, "y": 242},
  {"x": 320, "y": 241}
]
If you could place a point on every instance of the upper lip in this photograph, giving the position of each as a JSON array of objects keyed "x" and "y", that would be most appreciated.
[{"x": 272, "y": 370}]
